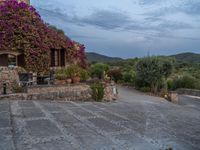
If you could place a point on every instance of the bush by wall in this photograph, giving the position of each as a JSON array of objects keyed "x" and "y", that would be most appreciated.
[
  {"x": 99, "y": 70},
  {"x": 97, "y": 91}
]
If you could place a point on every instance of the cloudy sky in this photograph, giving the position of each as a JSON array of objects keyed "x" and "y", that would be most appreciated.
[{"x": 127, "y": 28}]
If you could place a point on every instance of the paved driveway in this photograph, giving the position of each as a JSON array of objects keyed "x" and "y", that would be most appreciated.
[{"x": 136, "y": 121}]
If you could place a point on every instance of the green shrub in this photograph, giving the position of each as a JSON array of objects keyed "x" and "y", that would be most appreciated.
[
  {"x": 84, "y": 75},
  {"x": 145, "y": 89},
  {"x": 61, "y": 74},
  {"x": 61, "y": 77},
  {"x": 186, "y": 81},
  {"x": 170, "y": 84},
  {"x": 97, "y": 91},
  {"x": 150, "y": 72},
  {"x": 99, "y": 70},
  {"x": 73, "y": 70},
  {"x": 129, "y": 76},
  {"x": 60, "y": 71}
]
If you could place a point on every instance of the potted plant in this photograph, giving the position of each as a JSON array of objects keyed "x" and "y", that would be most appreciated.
[
  {"x": 74, "y": 73},
  {"x": 69, "y": 80},
  {"x": 68, "y": 76},
  {"x": 60, "y": 79},
  {"x": 76, "y": 78}
]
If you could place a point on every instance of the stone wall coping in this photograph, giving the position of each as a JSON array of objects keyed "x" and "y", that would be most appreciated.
[
  {"x": 78, "y": 92},
  {"x": 52, "y": 86},
  {"x": 193, "y": 92}
]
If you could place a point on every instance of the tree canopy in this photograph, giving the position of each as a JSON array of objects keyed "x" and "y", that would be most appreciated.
[{"x": 150, "y": 71}]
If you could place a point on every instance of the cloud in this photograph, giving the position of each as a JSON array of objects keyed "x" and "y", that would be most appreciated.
[
  {"x": 191, "y": 7},
  {"x": 134, "y": 26},
  {"x": 107, "y": 20},
  {"x": 85, "y": 37},
  {"x": 149, "y": 2}
]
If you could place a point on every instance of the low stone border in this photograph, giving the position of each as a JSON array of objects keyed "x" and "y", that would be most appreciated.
[
  {"x": 80, "y": 92},
  {"x": 189, "y": 92},
  {"x": 67, "y": 93}
]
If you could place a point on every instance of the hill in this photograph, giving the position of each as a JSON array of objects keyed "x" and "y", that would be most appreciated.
[
  {"x": 187, "y": 57},
  {"x": 182, "y": 57},
  {"x": 91, "y": 56}
]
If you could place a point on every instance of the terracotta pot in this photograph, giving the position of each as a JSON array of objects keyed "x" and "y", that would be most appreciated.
[
  {"x": 76, "y": 79},
  {"x": 69, "y": 80},
  {"x": 60, "y": 82}
]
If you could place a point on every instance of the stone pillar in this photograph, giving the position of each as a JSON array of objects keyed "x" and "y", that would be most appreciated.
[
  {"x": 34, "y": 78},
  {"x": 173, "y": 97}
]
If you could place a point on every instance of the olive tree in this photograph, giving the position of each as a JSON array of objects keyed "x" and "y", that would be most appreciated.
[{"x": 151, "y": 71}]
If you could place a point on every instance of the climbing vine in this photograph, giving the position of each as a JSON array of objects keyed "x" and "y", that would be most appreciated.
[{"x": 23, "y": 30}]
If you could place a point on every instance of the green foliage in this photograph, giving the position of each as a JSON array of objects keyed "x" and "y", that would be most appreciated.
[
  {"x": 61, "y": 74},
  {"x": 115, "y": 74},
  {"x": 167, "y": 66},
  {"x": 61, "y": 77},
  {"x": 73, "y": 70},
  {"x": 150, "y": 72},
  {"x": 84, "y": 75},
  {"x": 187, "y": 68},
  {"x": 145, "y": 89},
  {"x": 186, "y": 81},
  {"x": 99, "y": 70},
  {"x": 129, "y": 76},
  {"x": 97, "y": 91},
  {"x": 170, "y": 83}
]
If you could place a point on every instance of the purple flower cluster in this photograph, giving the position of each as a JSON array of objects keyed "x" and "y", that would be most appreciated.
[{"x": 22, "y": 29}]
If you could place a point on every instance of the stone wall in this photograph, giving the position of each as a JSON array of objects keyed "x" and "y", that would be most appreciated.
[
  {"x": 69, "y": 93},
  {"x": 80, "y": 92},
  {"x": 110, "y": 92},
  {"x": 9, "y": 77},
  {"x": 189, "y": 92},
  {"x": 66, "y": 93}
]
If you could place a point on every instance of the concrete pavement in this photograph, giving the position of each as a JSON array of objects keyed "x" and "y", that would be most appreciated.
[{"x": 134, "y": 122}]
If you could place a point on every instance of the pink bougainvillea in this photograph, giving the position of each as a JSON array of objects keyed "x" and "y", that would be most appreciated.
[
  {"x": 23, "y": 30},
  {"x": 76, "y": 54}
]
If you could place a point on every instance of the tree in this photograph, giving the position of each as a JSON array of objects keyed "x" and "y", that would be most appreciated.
[{"x": 150, "y": 71}]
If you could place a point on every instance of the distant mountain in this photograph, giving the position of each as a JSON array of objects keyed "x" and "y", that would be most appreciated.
[
  {"x": 91, "y": 56},
  {"x": 187, "y": 57},
  {"x": 182, "y": 57}
]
